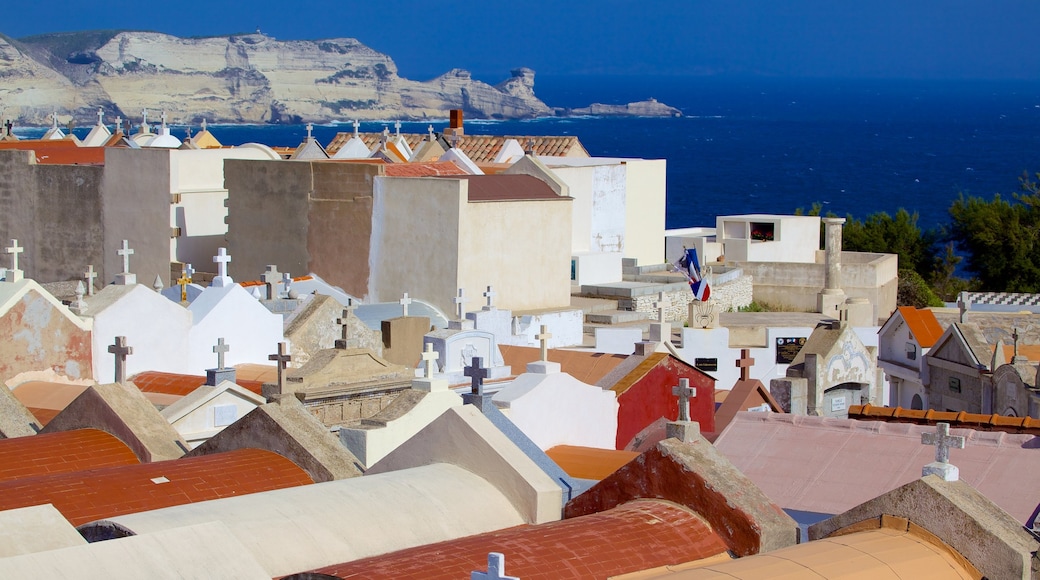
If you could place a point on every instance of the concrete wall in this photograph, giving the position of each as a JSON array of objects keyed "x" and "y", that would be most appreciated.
[
  {"x": 580, "y": 184},
  {"x": 942, "y": 398},
  {"x": 340, "y": 217},
  {"x": 55, "y": 214},
  {"x": 39, "y": 336},
  {"x": 136, "y": 208},
  {"x": 645, "y": 210}
]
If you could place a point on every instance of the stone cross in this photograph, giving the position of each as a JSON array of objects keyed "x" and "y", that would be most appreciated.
[
  {"x": 221, "y": 349},
  {"x": 286, "y": 282},
  {"x": 543, "y": 337},
  {"x": 310, "y": 128},
  {"x": 397, "y": 128},
  {"x": 496, "y": 569},
  {"x": 343, "y": 322},
  {"x": 281, "y": 360},
  {"x": 54, "y": 120},
  {"x": 270, "y": 278},
  {"x": 429, "y": 129},
  {"x": 490, "y": 295},
  {"x": 477, "y": 374},
  {"x": 125, "y": 252},
  {"x": 100, "y": 117},
  {"x": 119, "y": 124},
  {"x": 1014, "y": 336},
  {"x": 662, "y": 305},
  {"x": 189, "y": 271},
  {"x": 745, "y": 363},
  {"x": 530, "y": 147},
  {"x": 121, "y": 350},
  {"x": 404, "y": 302},
  {"x": 204, "y": 125},
  {"x": 459, "y": 301},
  {"x": 943, "y": 442},
  {"x": 356, "y": 127},
  {"x": 144, "y": 121},
  {"x": 429, "y": 357},
  {"x": 221, "y": 259},
  {"x": 15, "y": 274},
  {"x": 162, "y": 116},
  {"x": 684, "y": 391},
  {"x": 89, "y": 275}
]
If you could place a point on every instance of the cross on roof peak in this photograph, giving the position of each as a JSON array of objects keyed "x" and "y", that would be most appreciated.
[
  {"x": 543, "y": 338},
  {"x": 121, "y": 351},
  {"x": 14, "y": 275},
  {"x": 684, "y": 391},
  {"x": 459, "y": 301},
  {"x": 496, "y": 569},
  {"x": 162, "y": 116},
  {"x": 490, "y": 295},
  {"x": 404, "y": 302},
  {"x": 429, "y": 130},
  {"x": 183, "y": 282},
  {"x": 119, "y": 124},
  {"x": 357, "y": 127},
  {"x": 429, "y": 357},
  {"x": 943, "y": 442},
  {"x": 204, "y": 124},
  {"x": 397, "y": 128},
  {"x": 125, "y": 251},
  {"x": 221, "y": 348},
  {"x": 662, "y": 304},
  {"x": 745, "y": 363},
  {"x": 100, "y": 116},
  {"x": 477, "y": 374},
  {"x": 310, "y": 129},
  {"x": 343, "y": 321},
  {"x": 221, "y": 260},
  {"x": 54, "y": 120}
]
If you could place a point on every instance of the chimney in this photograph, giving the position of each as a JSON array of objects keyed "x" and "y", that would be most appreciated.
[{"x": 456, "y": 122}]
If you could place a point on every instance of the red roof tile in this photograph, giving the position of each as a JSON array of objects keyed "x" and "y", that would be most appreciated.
[
  {"x": 67, "y": 451},
  {"x": 180, "y": 385},
  {"x": 959, "y": 420},
  {"x": 86, "y": 496},
  {"x": 59, "y": 152},
  {"x": 638, "y": 535},
  {"x": 923, "y": 325},
  {"x": 479, "y": 148}
]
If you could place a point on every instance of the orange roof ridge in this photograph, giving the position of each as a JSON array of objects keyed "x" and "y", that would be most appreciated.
[
  {"x": 957, "y": 420},
  {"x": 923, "y": 325}
]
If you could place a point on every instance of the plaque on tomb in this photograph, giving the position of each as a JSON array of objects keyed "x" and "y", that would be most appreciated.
[
  {"x": 706, "y": 364},
  {"x": 787, "y": 348},
  {"x": 838, "y": 404},
  {"x": 224, "y": 415}
]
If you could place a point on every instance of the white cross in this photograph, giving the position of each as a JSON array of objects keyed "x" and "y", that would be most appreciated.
[
  {"x": 125, "y": 252},
  {"x": 90, "y": 274},
  {"x": 490, "y": 295},
  {"x": 121, "y": 350},
  {"x": 662, "y": 305},
  {"x": 14, "y": 250},
  {"x": 477, "y": 374},
  {"x": 543, "y": 338},
  {"x": 144, "y": 119},
  {"x": 310, "y": 127},
  {"x": 684, "y": 391},
  {"x": 459, "y": 301},
  {"x": 221, "y": 259},
  {"x": 54, "y": 119},
  {"x": 220, "y": 349},
  {"x": 119, "y": 124},
  {"x": 204, "y": 124},
  {"x": 397, "y": 128},
  {"x": 404, "y": 302},
  {"x": 286, "y": 282},
  {"x": 496, "y": 569},
  {"x": 943, "y": 442},
  {"x": 429, "y": 357},
  {"x": 429, "y": 129},
  {"x": 100, "y": 117},
  {"x": 356, "y": 127},
  {"x": 189, "y": 271}
]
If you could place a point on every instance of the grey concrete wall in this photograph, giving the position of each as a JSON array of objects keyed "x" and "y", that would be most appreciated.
[
  {"x": 54, "y": 213},
  {"x": 941, "y": 398},
  {"x": 136, "y": 208},
  {"x": 267, "y": 216}
]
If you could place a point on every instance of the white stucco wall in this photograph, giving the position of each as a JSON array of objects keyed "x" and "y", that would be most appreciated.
[
  {"x": 715, "y": 343},
  {"x": 645, "y": 184},
  {"x": 252, "y": 331},
  {"x": 156, "y": 328},
  {"x": 557, "y": 409},
  {"x": 796, "y": 238},
  {"x": 206, "y": 419}
]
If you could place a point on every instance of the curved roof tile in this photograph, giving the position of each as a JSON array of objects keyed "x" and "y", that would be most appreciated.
[{"x": 63, "y": 452}]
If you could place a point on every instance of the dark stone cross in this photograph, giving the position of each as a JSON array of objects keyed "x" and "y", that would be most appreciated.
[
  {"x": 477, "y": 374},
  {"x": 343, "y": 323},
  {"x": 281, "y": 360},
  {"x": 684, "y": 391},
  {"x": 943, "y": 442},
  {"x": 121, "y": 350},
  {"x": 745, "y": 364}
]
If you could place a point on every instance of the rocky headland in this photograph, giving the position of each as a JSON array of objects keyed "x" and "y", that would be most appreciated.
[{"x": 246, "y": 78}]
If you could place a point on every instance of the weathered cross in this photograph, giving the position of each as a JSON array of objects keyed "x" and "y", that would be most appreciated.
[
  {"x": 121, "y": 350},
  {"x": 459, "y": 301},
  {"x": 343, "y": 322},
  {"x": 281, "y": 360},
  {"x": 14, "y": 250},
  {"x": 125, "y": 252},
  {"x": 183, "y": 282},
  {"x": 943, "y": 442},
  {"x": 543, "y": 338},
  {"x": 490, "y": 295},
  {"x": 430, "y": 357},
  {"x": 286, "y": 282},
  {"x": 270, "y": 278},
  {"x": 90, "y": 274},
  {"x": 221, "y": 349},
  {"x": 684, "y": 391},
  {"x": 221, "y": 259},
  {"x": 662, "y": 305},
  {"x": 477, "y": 374},
  {"x": 404, "y": 302},
  {"x": 162, "y": 116},
  {"x": 1014, "y": 336},
  {"x": 745, "y": 363}
]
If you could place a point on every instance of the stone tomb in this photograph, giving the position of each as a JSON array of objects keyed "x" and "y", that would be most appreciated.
[{"x": 456, "y": 349}]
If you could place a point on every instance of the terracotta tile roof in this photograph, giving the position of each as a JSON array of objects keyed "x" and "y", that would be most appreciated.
[
  {"x": 923, "y": 325},
  {"x": 589, "y": 462},
  {"x": 256, "y": 373},
  {"x": 636, "y": 536},
  {"x": 508, "y": 188},
  {"x": 423, "y": 169},
  {"x": 85, "y": 496},
  {"x": 959, "y": 420},
  {"x": 479, "y": 148},
  {"x": 745, "y": 395},
  {"x": 251, "y": 283},
  {"x": 61, "y": 152},
  {"x": 44, "y": 416},
  {"x": 587, "y": 367},
  {"x": 1030, "y": 351},
  {"x": 641, "y": 370},
  {"x": 46, "y": 397},
  {"x": 180, "y": 385},
  {"x": 55, "y": 453}
]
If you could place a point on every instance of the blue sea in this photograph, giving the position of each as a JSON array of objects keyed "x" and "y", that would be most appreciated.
[{"x": 775, "y": 145}]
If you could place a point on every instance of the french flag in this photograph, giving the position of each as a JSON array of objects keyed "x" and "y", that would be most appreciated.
[{"x": 692, "y": 269}]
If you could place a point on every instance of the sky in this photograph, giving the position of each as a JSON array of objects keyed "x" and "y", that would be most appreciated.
[{"x": 916, "y": 39}]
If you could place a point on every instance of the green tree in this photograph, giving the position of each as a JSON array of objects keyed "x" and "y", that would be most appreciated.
[
  {"x": 882, "y": 233},
  {"x": 1001, "y": 238}
]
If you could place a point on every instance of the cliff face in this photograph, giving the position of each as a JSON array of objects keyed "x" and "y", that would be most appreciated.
[{"x": 249, "y": 78}]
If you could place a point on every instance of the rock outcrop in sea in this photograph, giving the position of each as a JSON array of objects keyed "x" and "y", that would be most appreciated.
[
  {"x": 647, "y": 108},
  {"x": 244, "y": 78}
]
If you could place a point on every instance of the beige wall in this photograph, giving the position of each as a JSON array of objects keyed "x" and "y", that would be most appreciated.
[{"x": 645, "y": 210}]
